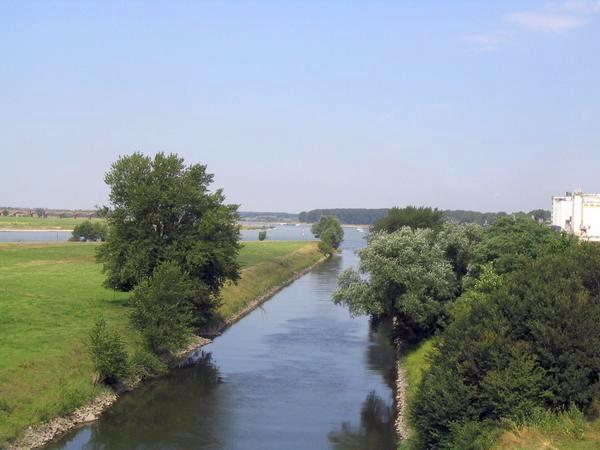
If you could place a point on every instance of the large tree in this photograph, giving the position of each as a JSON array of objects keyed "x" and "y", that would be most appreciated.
[
  {"x": 410, "y": 216},
  {"x": 162, "y": 210}
]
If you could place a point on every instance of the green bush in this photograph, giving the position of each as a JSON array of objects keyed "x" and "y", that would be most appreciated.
[
  {"x": 108, "y": 352},
  {"x": 162, "y": 309},
  {"x": 530, "y": 343},
  {"x": 90, "y": 231},
  {"x": 262, "y": 235}
]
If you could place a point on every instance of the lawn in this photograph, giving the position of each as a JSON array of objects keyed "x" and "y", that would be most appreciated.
[
  {"x": 37, "y": 223},
  {"x": 50, "y": 296}
]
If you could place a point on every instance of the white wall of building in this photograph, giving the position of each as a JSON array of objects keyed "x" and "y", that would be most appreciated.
[{"x": 578, "y": 213}]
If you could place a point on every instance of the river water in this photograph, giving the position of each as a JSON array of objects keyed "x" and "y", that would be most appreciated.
[
  {"x": 279, "y": 233},
  {"x": 297, "y": 373}
]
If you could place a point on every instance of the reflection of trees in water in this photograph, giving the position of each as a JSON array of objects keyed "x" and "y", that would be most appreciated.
[
  {"x": 183, "y": 396},
  {"x": 376, "y": 429},
  {"x": 381, "y": 355}
]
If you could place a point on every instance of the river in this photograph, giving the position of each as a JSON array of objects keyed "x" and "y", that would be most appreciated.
[{"x": 297, "y": 373}]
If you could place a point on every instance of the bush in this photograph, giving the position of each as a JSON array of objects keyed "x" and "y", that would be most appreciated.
[
  {"x": 330, "y": 232},
  {"x": 531, "y": 342},
  {"x": 262, "y": 235},
  {"x": 108, "y": 352},
  {"x": 162, "y": 309},
  {"x": 90, "y": 231}
]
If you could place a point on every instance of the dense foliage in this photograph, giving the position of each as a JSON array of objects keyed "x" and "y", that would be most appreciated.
[
  {"x": 109, "y": 356},
  {"x": 90, "y": 231},
  {"x": 162, "y": 210},
  {"x": 330, "y": 233},
  {"x": 530, "y": 341},
  {"x": 411, "y": 216},
  {"x": 409, "y": 275},
  {"x": 162, "y": 310},
  {"x": 262, "y": 235}
]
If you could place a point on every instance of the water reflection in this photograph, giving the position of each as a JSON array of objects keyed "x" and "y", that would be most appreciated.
[{"x": 376, "y": 429}]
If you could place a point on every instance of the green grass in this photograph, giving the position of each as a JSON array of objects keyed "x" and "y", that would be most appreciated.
[
  {"x": 37, "y": 223},
  {"x": 415, "y": 361},
  {"x": 568, "y": 430},
  {"x": 50, "y": 296}
]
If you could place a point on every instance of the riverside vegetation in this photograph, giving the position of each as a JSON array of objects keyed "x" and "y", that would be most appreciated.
[
  {"x": 173, "y": 265},
  {"x": 499, "y": 326}
]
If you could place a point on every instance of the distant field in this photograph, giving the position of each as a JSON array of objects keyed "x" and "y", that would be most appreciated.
[
  {"x": 37, "y": 223},
  {"x": 50, "y": 296}
]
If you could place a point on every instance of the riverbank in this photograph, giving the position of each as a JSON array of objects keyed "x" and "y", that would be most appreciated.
[
  {"x": 53, "y": 293},
  {"x": 40, "y": 224}
]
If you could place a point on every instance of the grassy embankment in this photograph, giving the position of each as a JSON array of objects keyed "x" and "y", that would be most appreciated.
[
  {"x": 50, "y": 296},
  {"x": 37, "y": 223},
  {"x": 570, "y": 430}
]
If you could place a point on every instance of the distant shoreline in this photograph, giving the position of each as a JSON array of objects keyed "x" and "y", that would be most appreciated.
[{"x": 6, "y": 230}]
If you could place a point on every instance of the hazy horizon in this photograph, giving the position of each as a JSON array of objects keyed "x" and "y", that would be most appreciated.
[{"x": 486, "y": 106}]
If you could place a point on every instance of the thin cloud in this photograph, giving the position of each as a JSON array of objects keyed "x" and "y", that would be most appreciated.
[
  {"x": 487, "y": 41},
  {"x": 584, "y": 7},
  {"x": 546, "y": 22}
]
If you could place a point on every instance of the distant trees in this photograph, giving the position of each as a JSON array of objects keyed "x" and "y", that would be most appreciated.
[
  {"x": 5, "y": 212},
  {"x": 262, "y": 235},
  {"x": 354, "y": 216},
  {"x": 40, "y": 212},
  {"x": 166, "y": 227},
  {"x": 365, "y": 216},
  {"x": 411, "y": 216},
  {"x": 90, "y": 231},
  {"x": 330, "y": 233}
]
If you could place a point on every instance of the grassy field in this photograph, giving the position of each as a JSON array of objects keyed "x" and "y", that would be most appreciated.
[
  {"x": 50, "y": 296},
  {"x": 37, "y": 223}
]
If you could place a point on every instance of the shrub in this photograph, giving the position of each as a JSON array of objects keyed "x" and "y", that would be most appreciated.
[
  {"x": 146, "y": 364},
  {"x": 108, "y": 352},
  {"x": 162, "y": 308},
  {"x": 90, "y": 231},
  {"x": 262, "y": 235}
]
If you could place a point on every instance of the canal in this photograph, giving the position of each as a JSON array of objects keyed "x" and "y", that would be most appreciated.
[{"x": 297, "y": 373}]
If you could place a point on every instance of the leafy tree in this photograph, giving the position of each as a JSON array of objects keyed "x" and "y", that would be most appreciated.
[
  {"x": 161, "y": 308},
  {"x": 330, "y": 232},
  {"x": 90, "y": 231},
  {"x": 522, "y": 341},
  {"x": 107, "y": 349},
  {"x": 162, "y": 210},
  {"x": 5, "y": 212},
  {"x": 510, "y": 243},
  {"x": 40, "y": 212},
  {"x": 262, "y": 235},
  {"x": 404, "y": 275},
  {"x": 410, "y": 216}
]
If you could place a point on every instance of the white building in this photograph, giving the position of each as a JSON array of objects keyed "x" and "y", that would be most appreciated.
[{"x": 578, "y": 213}]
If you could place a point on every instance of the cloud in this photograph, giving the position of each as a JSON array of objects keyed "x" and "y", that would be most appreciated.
[
  {"x": 546, "y": 22},
  {"x": 487, "y": 41},
  {"x": 584, "y": 7}
]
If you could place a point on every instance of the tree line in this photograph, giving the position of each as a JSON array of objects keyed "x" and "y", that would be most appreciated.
[
  {"x": 513, "y": 310},
  {"x": 366, "y": 216}
]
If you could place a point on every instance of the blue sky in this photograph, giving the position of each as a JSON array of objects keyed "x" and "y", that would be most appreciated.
[{"x": 298, "y": 105}]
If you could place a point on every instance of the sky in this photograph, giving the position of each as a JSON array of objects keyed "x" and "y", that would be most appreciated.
[{"x": 295, "y": 105}]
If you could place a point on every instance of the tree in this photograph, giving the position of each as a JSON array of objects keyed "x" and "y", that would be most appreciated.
[
  {"x": 330, "y": 232},
  {"x": 40, "y": 212},
  {"x": 5, "y": 212},
  {"x": 403, "y": 275},
  {"x": 262, "y": 235},
  {"x": 510, "y": 243},
  {"x": 410, "y": 216},
  {"x": 162, "y": 210},
  {"x": 531, "y": 340},
  {"x": 162, "y": 308},
  {"x": 90, "y": 231}
]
